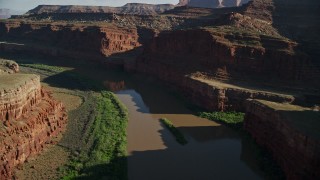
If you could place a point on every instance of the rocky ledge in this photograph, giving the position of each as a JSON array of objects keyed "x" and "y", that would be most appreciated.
[{"x": 29, "y": 118}]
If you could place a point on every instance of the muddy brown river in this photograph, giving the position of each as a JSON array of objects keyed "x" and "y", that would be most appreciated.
[{"x": 213, "y": 151}]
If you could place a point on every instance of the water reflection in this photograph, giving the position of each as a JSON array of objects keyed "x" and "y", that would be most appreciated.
[{"x": 213, "y": 152}]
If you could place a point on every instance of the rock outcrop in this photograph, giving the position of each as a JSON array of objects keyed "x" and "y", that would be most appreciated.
[
  {"x": 290, "y": 133},
  {"x": 29, "y": 118}
]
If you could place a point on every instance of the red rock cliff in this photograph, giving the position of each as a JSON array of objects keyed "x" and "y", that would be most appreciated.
[
  {"x": 23, "y": 93},
  {"x": 29, "y": 118},
  {"x": 223, "y": 59},
  {"x": 207, "y": 50}
]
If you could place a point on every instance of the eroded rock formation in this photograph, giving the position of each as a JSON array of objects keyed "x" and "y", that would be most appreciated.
[
  {"x": 290, "y": 133},
  {"x": 209, "y": 49},
  {"x": 210, "y": 65},
  {"x": 29, "y": 118}
]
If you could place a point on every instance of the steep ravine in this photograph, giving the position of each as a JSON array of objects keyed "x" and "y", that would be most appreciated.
[{"x": 221, "y": 67}]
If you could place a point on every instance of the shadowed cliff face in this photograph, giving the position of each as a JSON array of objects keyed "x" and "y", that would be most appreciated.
[
  {"x": 294, "y": 132},
  {"x": 94, "y": 40},
  {"x": 300, "y": 21}
]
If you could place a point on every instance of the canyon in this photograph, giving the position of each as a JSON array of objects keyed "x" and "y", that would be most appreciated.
[
  {"x": 30, "y": 118},
  {"x": 248, "y": 56}
]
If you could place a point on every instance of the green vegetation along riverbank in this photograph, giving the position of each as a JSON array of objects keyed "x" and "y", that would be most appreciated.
[
  {"x": 107, "y": 136},
  {"x": 178, "y": 135}
]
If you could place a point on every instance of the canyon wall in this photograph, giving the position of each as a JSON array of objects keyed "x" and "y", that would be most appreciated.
[
  {"x": 290, "y": 133},
  {"x": 94, "y": 41},
  {"x": 209, "y": 66},
  {"x": 210, "y": 95},
  {"x": 239, "y": 56},
  {"x": 29, "y": 118}
]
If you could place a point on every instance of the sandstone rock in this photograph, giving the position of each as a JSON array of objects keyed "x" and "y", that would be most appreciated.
[
  {"x": 18, "y": 93},
  {"x": 31, "y": 117},
  {"x": 240, "y": 56},
  {"x": 224, "y": 60}
]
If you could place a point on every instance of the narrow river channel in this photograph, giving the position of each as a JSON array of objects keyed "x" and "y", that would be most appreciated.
[{"x": 213, "y": 150}]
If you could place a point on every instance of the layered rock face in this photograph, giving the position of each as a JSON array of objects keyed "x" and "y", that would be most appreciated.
[
  {"x": 75, "y": 40},
  {"x": 17, "y": 93},
  {"x": 290, "y": 133},
  {"x": 29, "y": 118},
  {"x": 212, "y": 3},
  {"x": 210, "y": 62},
  {"x": 209, "y": 49},
  {"x": 208, "y": 94}
]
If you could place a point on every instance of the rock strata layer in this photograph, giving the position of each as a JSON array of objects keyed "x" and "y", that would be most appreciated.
[{"x": 29, "y": 118}]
